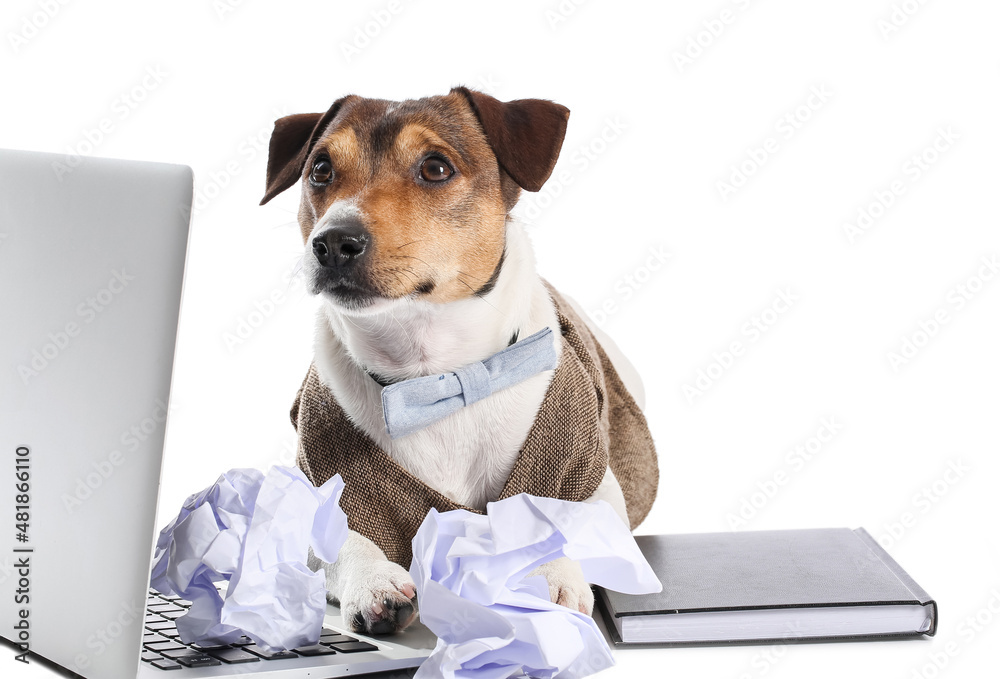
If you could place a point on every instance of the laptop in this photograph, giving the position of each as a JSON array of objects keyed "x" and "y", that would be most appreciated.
[{"x": 91, "y": 271}]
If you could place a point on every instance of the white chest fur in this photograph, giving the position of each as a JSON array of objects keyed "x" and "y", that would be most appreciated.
[{"x": 466, "y": 456}]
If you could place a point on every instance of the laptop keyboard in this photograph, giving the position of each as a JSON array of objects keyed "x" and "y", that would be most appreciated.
[{"x": 163, "y": 649}]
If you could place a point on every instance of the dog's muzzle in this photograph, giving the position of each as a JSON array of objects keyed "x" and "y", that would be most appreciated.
[
  {"x": 343, "y": 252},
  {"x": 342, "y": 246}
]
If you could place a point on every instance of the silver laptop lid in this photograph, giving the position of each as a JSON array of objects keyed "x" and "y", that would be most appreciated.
[{"x": 91, "y": 268}]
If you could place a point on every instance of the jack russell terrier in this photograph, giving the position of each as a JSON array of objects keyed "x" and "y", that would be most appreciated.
[{"x": 447, "y": 373}]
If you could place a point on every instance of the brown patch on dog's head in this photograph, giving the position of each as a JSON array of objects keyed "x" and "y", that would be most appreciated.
[{"x": 411, "y": 198}]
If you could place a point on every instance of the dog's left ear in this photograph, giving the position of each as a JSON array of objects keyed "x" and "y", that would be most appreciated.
[
  {"x": 292, "y": 140},
  {"x": 525, "y": 134}
]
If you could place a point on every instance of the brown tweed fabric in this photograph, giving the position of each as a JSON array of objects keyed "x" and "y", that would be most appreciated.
[{"x": 587, "y": 421}]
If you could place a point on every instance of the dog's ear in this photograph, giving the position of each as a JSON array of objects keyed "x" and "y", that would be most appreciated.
[
  {"x": 525, "y": 134},
  {"x": 292, "y": 140}
]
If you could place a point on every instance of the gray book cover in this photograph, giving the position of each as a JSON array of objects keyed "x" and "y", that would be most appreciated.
[{"x": 735, "y": 571}]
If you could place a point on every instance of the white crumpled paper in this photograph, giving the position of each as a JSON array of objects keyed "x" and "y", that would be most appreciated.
[
  {"x": 253, "y": 530},
  {"x": 493, "y": 622}
]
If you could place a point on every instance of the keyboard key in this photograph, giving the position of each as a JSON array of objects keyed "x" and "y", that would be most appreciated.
[
  {"x": 182, "y": 602},
  {"x": 153, "y": 637},
  {"x": 165, "y": 664},
  {"x": 152, "y": 617},
  {"x": 242, "y": 641},
  {"x": 169, "y": 597},
  {"x": 172, "y": 615},
  {"x": 336, "y": 639},
  {"x": 176, "y": 653},
  {"x": 170, "y": 632},
  {"x": 354, "y": 647},
  {"x": 197, "y": 661},
  {"x": 269, "y": 655},
  {"x": 163, "y": 607},
  {"x": 233, "y": 656},
  {"x": 162, "y": 624},
  {"x": 162, "y": 646},
  {"x": 314, "y": 650},
  {"x": 149, "y": 656},
  {"x": 209, "y": 647}
]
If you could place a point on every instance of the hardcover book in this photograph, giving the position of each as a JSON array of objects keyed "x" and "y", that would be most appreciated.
[{"x": 769, "y": 586}]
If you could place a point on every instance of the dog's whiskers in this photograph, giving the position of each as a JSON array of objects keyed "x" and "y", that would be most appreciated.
[
  {"x": 377, "y": 331},
  {"x": 485, "y": 301},
  {"x": 401, "y": 327},
  {"x": 412, "y": 257},
  {"x": 409, "y": 272}
]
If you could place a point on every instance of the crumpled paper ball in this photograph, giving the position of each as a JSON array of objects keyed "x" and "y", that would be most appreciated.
[
  {"x": 254, "y": 531},
  {"x": 493, "y": 622}
]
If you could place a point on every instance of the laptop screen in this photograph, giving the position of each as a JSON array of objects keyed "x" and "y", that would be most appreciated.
[{"x": 91, "y": 270}]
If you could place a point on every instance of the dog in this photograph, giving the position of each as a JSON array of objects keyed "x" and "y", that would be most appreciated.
[{"x": 408, "y": 241}]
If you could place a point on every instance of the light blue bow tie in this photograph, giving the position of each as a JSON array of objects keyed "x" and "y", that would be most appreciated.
[{"x": 411, "y": 405}]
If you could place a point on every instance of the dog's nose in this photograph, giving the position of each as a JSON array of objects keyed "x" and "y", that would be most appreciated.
[{"x": 342, "y": 245}]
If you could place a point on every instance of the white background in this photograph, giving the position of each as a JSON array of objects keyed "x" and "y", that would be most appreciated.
[{"x": 672, "y": 132}]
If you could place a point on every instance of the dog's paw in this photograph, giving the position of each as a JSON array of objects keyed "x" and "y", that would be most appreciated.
[
  {"x": 566, "y": 585},
  {"x": 379, "y": 600}
]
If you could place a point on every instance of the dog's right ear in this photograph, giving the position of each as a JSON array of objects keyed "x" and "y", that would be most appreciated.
[{"x": 292, "y": 140}]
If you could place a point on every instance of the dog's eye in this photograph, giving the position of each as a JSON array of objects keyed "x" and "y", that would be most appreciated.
[
  {"x": 435, "y": 170},
  {"x": 322, "y": 171}
]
